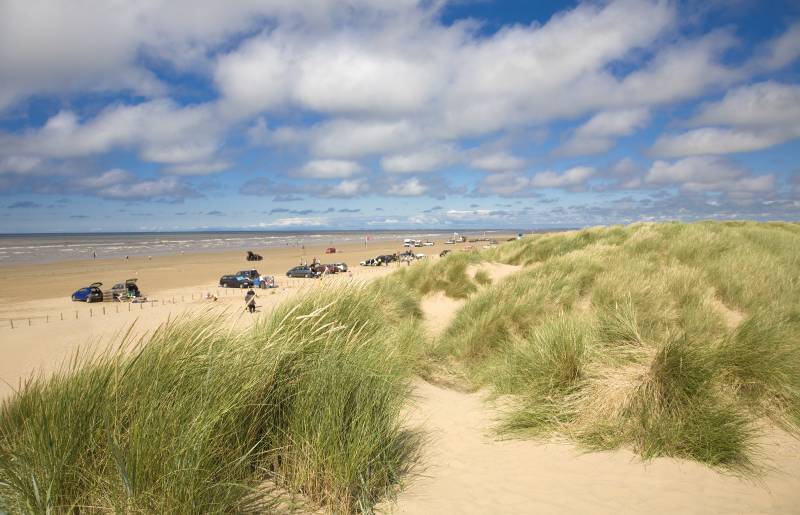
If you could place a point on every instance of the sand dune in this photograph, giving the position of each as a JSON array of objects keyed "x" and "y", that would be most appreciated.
[{"x": 465, "y": 470}]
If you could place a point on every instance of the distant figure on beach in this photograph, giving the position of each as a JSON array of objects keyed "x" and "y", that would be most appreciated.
[
  {"x": 94, "y": 254},
  {"x": 250, "y": 300}
]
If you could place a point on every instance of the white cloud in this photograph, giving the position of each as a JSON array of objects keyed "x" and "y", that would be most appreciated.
[
  {"x": 328, "y": 169},
  {"x": 351, "y": 138},
  {"x": 346, "y": 188},
  {"x": 19, "y": 164},
  {"x": 169, "y": 187},
  {"x": 572, "y": 178},
  {"x": 296, "y": 221},
  {"x": 208, "y": 168},
  {"x": 425, "y": 160},
  {"x": 759, "y": 115},
  {"x": 498, "y": 162},
  {"x": 105, "y": 179},
  {"x": 709, "y": 174},
  {"x": 505, "y": 184},
  {"x": 712, "y": 140},
  {"x": 597, "y": 135},
  {"x": 409, "y": 188},
  {"x": 162, "y": 131}
]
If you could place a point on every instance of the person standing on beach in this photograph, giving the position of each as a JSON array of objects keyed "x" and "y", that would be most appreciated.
[{"x": 250, "y": 300}]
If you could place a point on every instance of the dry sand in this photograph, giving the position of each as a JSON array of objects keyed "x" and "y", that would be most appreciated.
[
  {"x": 464, "y": 470},
  {"x": 49, "y": 327}
]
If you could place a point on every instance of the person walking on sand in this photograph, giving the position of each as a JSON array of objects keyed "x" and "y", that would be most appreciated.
[{"x": 250, "y": 300}]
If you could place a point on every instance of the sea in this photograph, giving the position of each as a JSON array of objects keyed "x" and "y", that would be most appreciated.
[{"x": 44, "y": 248}]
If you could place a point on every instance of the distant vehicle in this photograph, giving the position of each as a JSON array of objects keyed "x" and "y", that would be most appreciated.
[
  {"x": 91, "y": 293},
  {"x": 444, "y": 253},
  {"x": 235, "y": 281},
  {"x": 267, "y": 281},
  {"x": 428, "y": 244},
  {"x": 380, "y": 260},
  {"x": 302, "y": 271},
  {"x": 252, "y": 256},
  {"x": 420, "y": 256},
  {"x": 330, "y": 250},
  {"x": 408, "y": 242},
  {"x": 125, "y": 290},
  {"x": 449, "y": 242},
  {"x": 341, "y": 267}
]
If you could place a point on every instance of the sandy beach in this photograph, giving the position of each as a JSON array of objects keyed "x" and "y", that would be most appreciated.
[
  {"x": 464, "y": 467},
  {"x": 48, "y": 326}
]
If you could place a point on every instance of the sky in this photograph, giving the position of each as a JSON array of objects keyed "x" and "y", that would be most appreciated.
[{"x": 165, "y": 115}]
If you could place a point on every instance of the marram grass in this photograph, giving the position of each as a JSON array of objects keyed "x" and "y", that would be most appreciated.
[
  {"x": 199, "y": 418},
  {"x": 671, "y": 339}
]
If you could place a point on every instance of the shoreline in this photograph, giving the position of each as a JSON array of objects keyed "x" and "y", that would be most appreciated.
[{"x": 56, "y": 248}]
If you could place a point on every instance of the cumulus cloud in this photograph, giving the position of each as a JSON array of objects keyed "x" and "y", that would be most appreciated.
[
  {"x": 345, "y": 189},
  {"x": 120, "y": 184},
  {"x": 328, "y": 169},
  {"x": 753, "y": 117},
  {"x": 497, "y": 162},
  {"x": 409, "y": 188},
  {"x": 163, "y": 132},
  {"x": 425, "y": 160},
  {"x": 714, "y": 174},
  {"x": 598, "y": 134},
  {"x": 573, "y": 178}
]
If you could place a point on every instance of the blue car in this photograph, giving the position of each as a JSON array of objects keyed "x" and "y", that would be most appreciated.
[{"x": 91, "y": 293}]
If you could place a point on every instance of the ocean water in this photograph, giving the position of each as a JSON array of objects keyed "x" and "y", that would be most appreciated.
[{"x": 43, "y": 248}]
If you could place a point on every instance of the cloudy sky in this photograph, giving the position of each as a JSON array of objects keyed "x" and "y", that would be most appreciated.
[{"x": 310, "y": 114}]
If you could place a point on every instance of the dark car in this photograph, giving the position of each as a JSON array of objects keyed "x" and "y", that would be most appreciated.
[
  {"x": 386, "y": 259},
  {"x": 235, "y": 281},
  {"x": 252, "y": 256},
  {"x": 91, "y": 293},
  {"x": 302, "y": 271}
]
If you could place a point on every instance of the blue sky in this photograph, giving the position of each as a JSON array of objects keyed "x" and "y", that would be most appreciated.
[{"x": 358, "y": 114}]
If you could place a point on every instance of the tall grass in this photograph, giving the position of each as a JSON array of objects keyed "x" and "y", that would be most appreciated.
[
  {"x": 199, "y": 417},
  {"x": 673, "y": 339}
]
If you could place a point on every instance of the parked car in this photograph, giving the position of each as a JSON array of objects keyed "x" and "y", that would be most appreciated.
[
  {"x": 252, "y": 256},
  {"x": 302, "y": 271},
  {"x": 428, "y": 244},
  {"x": 444, "y": 253},
  {"x": 251, "y": 274},
  {"x": 125, "y": 290},
  {"x": 330, "y": 250},
  {"x": 341, "y": 267},
  {"x": 91, "y": 293},
  {"x": 235, "y": 281}
]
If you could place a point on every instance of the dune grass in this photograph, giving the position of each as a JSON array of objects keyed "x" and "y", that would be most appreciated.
[
  {"x": 448, "y": 275},
  {"x": 673, "y": 339},
  {"x": 200, "y": 418}
]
